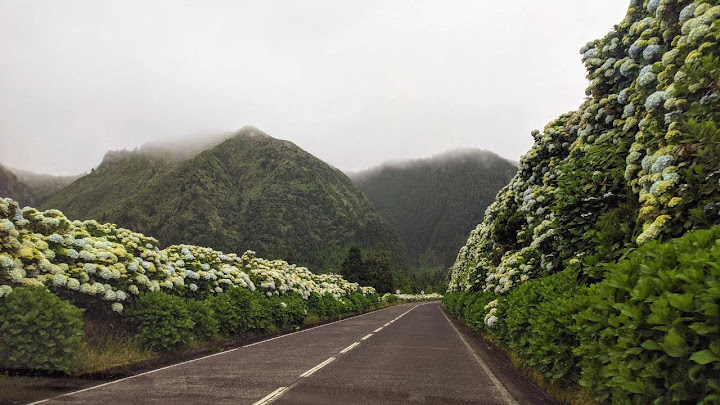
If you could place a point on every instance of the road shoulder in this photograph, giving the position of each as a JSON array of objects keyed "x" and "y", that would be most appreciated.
[{"x": 517, "y": 385}]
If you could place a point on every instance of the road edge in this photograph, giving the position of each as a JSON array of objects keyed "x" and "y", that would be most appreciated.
[{"x": 521, "y": 389}]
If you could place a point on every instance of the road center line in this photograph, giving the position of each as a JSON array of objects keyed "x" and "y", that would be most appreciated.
[
  {"x": 314, "y": 327},
  {"x": 378, "y": 329},
  {"x": 271, "y": 396},
  {"x": 201, "y": 358},
  {"x": 500, "y": 387},
  {"x": 347, "y": 349},
  {"x": 318, "y": 367},
  {"x": 366, "y": 337}
]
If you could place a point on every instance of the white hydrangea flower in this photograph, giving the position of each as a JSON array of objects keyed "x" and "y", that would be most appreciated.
[{"x": 5, "y": 290}]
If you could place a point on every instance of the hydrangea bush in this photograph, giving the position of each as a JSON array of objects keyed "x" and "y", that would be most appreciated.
[
  {"x": 637, "y": 165},
  {"x": 106, "y": 265},
  {"x": 638, "y": 161}
]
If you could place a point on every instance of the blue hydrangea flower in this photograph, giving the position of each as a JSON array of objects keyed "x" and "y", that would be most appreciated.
[
  {"x": 653, "y": 5},
  {"x": 655, "y": 100},
  {"x": 647, "y": 76},
  {"x": 661, "y": 163},
  {"x": 651, "y": 52},
  {"x": 687, "y": 13}
]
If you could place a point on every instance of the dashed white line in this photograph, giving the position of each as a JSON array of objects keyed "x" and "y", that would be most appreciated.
[
  {"x": 314, "y": 327},
  {"x": 387, "y": 324},
  {"x": 347, "y": 349},
  {"x": 318, "y": 367},
  {"x": 271, "y": 396},
  {"x": 366, "y": 337},
  {"x": 378, "y": 329},
  {"x": 209, "y": 356}
]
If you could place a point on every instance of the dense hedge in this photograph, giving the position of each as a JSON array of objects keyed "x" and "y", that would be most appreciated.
[
  {"x": 39, "y": 331},
  {"x": 165, "y": 322},
  {"x": 648, "y": 333}
]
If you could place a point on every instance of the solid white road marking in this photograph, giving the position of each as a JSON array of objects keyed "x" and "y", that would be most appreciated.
[
  {"x": 347, "y": 349},
  {"x": 500, "y": 387},
  {"x": 318, "y": 367},
  {"x": 366, "y": 337},
  {"x": 201, "y": 358},
  {"x": 271, "y": 396}
]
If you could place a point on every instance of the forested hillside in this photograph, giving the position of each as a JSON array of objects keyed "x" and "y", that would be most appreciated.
[
  {"x": 435, "y": 202},
  {"x": 44, "y": 185},
  {"x": 574, "y": 266},
  {"x": 251, "y": 191},
  {"x": 11, "y": 186}
]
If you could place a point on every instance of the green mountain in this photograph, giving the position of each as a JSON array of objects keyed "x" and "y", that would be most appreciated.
[
  {"x": 11, "y": 186},
  {"x": 45, "y": 185},
  {"x": 435, "y": 202},
  {"x": 251, "y": 191}
]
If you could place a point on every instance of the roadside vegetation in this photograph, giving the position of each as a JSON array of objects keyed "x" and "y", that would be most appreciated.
[
  {"x": 596, "y": 267},
  {"x": 79, "y": 297}
]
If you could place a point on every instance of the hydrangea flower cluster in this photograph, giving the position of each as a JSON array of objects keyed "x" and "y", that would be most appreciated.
[
  {"x": 413, "y": 297},
  {"x": 113, "y": 264},
  {"x": 654, "y": 103}
]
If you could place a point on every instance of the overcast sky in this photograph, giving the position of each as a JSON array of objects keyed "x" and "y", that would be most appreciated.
[{"x": 355, "y": 83}]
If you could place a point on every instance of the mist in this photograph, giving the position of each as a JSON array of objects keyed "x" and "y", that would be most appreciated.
[{"x": 354, "y": 83}]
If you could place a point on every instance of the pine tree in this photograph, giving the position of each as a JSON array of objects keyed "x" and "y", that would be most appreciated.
[{"x": 352, "y": 266}]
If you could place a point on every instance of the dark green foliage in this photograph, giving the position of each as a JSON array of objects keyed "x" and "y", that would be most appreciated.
[
  {"x": 474, "y": 309},
  {"x": 430, "y": 280},
  {"x": 162, "y": 321},
  {"x": 455, "y": 303},
  {"x": 353, "y": 268},
  {"x": 288, "y": 310},
  {"x": 240, "y": 311},
  {"x": 38, "y": 330},
  {"x": 651, "y": 330},
  {"x": 535, "y": 321},
  {"x": 357, "y": 302},
  {"x": 378, "y": 266},
  {"x": 435, "y": 202},
  {"x": 207, "y": 327},
  {"x": 252, "y": 192},
  {"x": 326, "y": 306},
  {"x": 373, "y": 271}
]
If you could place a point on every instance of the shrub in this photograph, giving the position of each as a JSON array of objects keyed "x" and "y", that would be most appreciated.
[
  {"x": 38, "y": 330},
  {"x": 207, "y": 327},
  {"x": 455, "y": 302},
  {"x": 650, "y": 332},
  {"x": 536, "y": 320},
  {"x": 288, "y": 310},
  {"x": 239, "y": 311},
  {"x": 162, "y": 321},
  {"x": 325, "y": 305},
  {"x": 474, "y": 308}
]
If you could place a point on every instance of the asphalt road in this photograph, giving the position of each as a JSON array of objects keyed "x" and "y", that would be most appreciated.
[{"x": 408, "y": 353}]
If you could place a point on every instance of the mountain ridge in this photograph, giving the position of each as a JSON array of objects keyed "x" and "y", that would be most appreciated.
[
  {"x": 434, "y": 202},
  {"x": 251, "y": 191}
]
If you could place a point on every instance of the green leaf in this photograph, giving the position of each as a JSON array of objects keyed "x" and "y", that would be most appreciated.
[
  {"x": 651, "y": 345},
  {"x": 704, "y": 357},
  {"x": 683, "y": 302}
]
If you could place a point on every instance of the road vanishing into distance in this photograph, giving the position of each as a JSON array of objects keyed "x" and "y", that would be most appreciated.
[{"x": 410, "y": 353}]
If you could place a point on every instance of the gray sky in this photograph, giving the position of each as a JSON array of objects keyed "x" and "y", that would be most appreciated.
[{"x": 352, "y": 82}]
